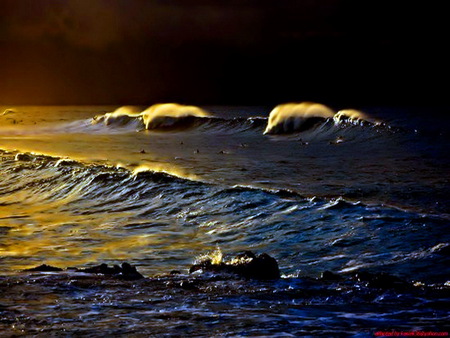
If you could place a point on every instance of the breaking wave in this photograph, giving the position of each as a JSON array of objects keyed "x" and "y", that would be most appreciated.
[
  {"x": 237, "y": 217},
  {"x": 158, "y": 116},
  {"x": 296, "y": 117},
  {"x": 283, "y": 119}
]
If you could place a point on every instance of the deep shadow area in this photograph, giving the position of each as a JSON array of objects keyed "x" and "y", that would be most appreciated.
[{"x": 250, "y": 52}]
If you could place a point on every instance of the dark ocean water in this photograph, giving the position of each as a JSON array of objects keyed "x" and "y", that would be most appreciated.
[{"x": 348, "y": 196}]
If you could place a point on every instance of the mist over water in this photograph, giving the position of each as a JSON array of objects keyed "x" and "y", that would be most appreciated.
[{"x": 349, "y": 191}]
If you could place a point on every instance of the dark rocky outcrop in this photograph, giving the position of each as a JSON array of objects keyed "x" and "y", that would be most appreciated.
[
  {"x": 125, "y": 272},
  {"x": 380, "y": 280},
  {"x": 246, "y": 265},
  {"x": 372, "y": 280},
  {"x": 43, "y": 268}
]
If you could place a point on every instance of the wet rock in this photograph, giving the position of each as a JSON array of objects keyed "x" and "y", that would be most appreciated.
[
  {"x": 381, "y": 280},
  {"x": 102, "y": 269},
  {"x": 189, "y": 285},
  {"x": 246, "y": 265},
  {"x": 124, "y": 272},
  {"x": 129, "y": 272},
  {"x": 330, "y": 276},
  {"x": 43, "y": 268}
]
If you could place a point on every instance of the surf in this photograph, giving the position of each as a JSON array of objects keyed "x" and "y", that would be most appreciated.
[
  {"x": 288, "y": 118},
  {"x": 160, "y": 116}
]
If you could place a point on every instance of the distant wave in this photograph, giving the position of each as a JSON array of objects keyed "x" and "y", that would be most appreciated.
[
  {"x": 296, "y": 117},
  {"x": 121, "y": 116},
  {"x": 169, "y": 115},
  {"x": 8, "y": 111},
  {"x": 290, "y": 117},
  {"x": 175, "y": 117},
  {"x": 158, "y": 116},
  {"x": 285, "y": 118}
]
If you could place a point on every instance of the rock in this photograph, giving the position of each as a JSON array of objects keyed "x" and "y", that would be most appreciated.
[
  {"x": 330, "y": 276},
  {"x": 125, "y": 272},
  {"x": 381, "y": 280},
  {"x": 43, "y": 268},
  {"x": 129, "y": 272},
  {"x": 247, "y": 265},
  {"x": 103, "y": 269}
]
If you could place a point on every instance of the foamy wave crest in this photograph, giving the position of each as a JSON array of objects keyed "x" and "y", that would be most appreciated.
[
  {"x": 120, "y": 117},
  {"x": 296, "y": 117},
  {"x": 157, "y": 116},
  {"x": 353, "y": 116},
  {"x": 170, "y": 115},
  {"x": 8, "y": 111},
  {"x": 292, "y": 117}
]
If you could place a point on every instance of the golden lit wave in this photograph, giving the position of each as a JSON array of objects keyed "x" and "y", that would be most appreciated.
[
  {"x": 165, "y": 115},
  {"x": 121, "y": 115},
  {"x": 290, "y": 116},
  {"x": 166, "y": 168},
  {"x": 352, "y": 115}
]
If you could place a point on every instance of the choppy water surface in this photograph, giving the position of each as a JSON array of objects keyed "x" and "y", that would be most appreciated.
[{"x": 346, "y": 196}]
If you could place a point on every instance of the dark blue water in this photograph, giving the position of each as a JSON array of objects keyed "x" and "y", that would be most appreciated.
[{"x": 349, "y": 197}]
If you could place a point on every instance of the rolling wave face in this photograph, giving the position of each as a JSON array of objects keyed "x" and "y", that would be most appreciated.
[
  {"x": 291, "y": 117},
  {"x": 353, "y": 116},
  {"x": 298, "y": 117},
  {"x": 169, "y": 115},
  {"x": 283, "y": 119},
  {"x": 121, "y": 116},
  {"x": 165, "y": 116},
  {"x": 78, "y": 214}
]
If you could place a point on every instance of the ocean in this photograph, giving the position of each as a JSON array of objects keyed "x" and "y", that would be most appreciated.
[{"x": 358, "y": 192}]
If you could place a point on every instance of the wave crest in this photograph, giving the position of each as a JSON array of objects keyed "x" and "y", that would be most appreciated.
[
  {"x": 352, "y": 116},
  {"x": 121, "y": 116},
  {"x": 290, "y": 117},
  {"x": 169, "y": 115},
  {"x": 157, "y": 116}
]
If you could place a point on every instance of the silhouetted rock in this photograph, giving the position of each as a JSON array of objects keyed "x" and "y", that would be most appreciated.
[
  {"x": 330, "y": 276},
  {"x": 381, "y": 280},
  {"x": 125, "y": 272},
  {"x": 247, "y": 265},
  {"x": 44, "y": 268}
]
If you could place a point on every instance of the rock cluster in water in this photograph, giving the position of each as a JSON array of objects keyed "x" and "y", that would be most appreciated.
[
  {"x": 124, "y": 272},
  {"x": 246, "y": 265}
]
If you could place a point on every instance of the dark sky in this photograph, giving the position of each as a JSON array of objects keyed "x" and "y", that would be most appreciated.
[{"x": 223, "y": 52}]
